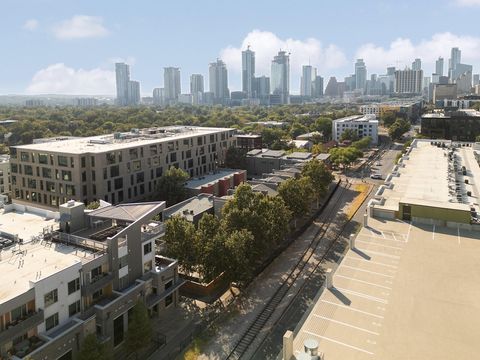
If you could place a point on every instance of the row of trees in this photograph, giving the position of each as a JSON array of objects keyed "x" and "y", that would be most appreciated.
[
  {"x": 251, "y": 226},
  {"x": 346, "y": 156}
]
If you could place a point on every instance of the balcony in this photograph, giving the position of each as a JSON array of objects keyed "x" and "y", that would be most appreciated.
[
  {"x": 97, "y": 282},
  {"x": 21, "y": 325},
  {"x": 153, "y": 229}
]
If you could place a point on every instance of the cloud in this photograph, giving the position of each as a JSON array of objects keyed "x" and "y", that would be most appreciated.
[
  {"x": 468, "y": 2},
  {"x": 79, "y": 27},
  {"x": 401, "y": 52},
  {"x": 31, "y": 24},
  {"x": 266, "y": 45},
  {"x": 61, "y": 79}
]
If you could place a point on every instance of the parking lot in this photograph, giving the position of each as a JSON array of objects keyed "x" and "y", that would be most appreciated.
[{"x": 406, "y": 292}]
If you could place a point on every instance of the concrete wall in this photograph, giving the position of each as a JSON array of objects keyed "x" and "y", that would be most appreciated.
[{"x": 442, "y": 214}]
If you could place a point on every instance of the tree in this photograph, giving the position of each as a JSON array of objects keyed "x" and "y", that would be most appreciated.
[
  {"x": 237, "y": 246},
  {"x": 398, "y": 128},
  {"x": 345, "y": 156},
  {"x": 297, "y": 129},
  {"x": 92, "y": 349},
  {"x": 180, "y": 242},
  {"x": 349, "y": 134},
  {"x": 363, "y": 143},
  {"x": 93, "y": 205},
  {"x": 319, "y": 176},
  {"x": 210, "y": 248},
  {"x": 235, "y": 158},
  {"x": 171, "y": 186},
  {"x": 388, "y": 118},
  {"x": 297, "y": 195},
  {"x": 323, "y": 125},
  {"x": 139, "y": 333}
]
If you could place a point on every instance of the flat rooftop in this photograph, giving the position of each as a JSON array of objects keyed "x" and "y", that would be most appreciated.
[
  {"x": 24, "y": 224},
  {"x": 407, "y": 292},
  {"x": 118, "y": 141},
  {"x": 197, "y": 183},
  {"x": 33, "y": 262},
  {"x": 190, "y": 207},
  {"x": 426, "y": 179},
  {"x": 456, "y": 113},
  {"x": 357, "y": 118}
]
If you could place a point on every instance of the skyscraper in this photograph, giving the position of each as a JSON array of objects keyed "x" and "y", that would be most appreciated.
[
  {"x": 280, "y": 76},
  {"x": 218, "y": 82},
  {"x": 317, "y": 87},
  {"x": 171, "y": 79},
  {"x": 408, "y": 81},
  {"x": 439, "y": 66},
  {"x": 455, "y": 57},
  {"x": 196, "y": 84},
  {"x": 360, "y": 75},
  {"x": 159, "y": 96},
  {"x": 248, "y": 72},
  {"x": 133, "y": 92},
  {"x": 122, "y": 74},
  {"x": 306, "y": 81},
  {"x": 417, "y": 64}
]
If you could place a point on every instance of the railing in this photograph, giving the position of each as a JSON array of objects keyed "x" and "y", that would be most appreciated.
[
  {"x": 80, "y": 241},
  {"x": 149, "y": 232},
  {"x": 96, "y": 283},
  {"x": 21, "y": 325}
]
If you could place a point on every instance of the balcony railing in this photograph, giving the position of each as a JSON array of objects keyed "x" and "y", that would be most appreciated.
[
  {"x": 80, "y": 241},
  {"x": 150, "y": 232},
  {"x": 21, "y": 326},
  {"x": 97, "y": 282}
]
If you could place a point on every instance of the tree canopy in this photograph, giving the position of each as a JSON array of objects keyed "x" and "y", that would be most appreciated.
[
  {"x": 171, "y": 186},
  {"x": 320, "y": 177},
  {"x": 92, "y": 349},
  {"x": 139, "y": 333}
]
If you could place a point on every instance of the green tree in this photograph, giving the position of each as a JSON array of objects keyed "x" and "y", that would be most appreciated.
[
  {"x": 180, "y": 242},
  {"x": 345, "y": 156},
  {"x": 324, "y": 125},
  {"x": 319, "y": 176},
  {"x": 210, "y": 248},
  {"x": 363, "y": 143},
  {"x": 92, "y": 349},
  {"x": 93, "y": 205},
  {"x": 237, "y": 245},
  {"x": 398, "y": 128},
  {"x": 349, "y": 134},
  {"x": 139, "y": 333},
  {"x": 297, "y": 195},
  {"x": 297, "y": 129},
  {"x": 171, "y": 186},
  {"x": 235, "y": 158},
  {"x": 388, "y": 118}
]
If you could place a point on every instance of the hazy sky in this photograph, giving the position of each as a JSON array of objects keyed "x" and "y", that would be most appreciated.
[{"x": 69, "y": 47}]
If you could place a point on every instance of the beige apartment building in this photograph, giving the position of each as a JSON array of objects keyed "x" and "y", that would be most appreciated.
[{"x": 117, "y": 168}]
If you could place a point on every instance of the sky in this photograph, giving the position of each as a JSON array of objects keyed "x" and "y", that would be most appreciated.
[{"x": 70, "y": 47}]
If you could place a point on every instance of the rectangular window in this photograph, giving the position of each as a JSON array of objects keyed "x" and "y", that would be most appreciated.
[
  {"x": 92, "y": 161},
  {"x": 137, "y": 165},
  {"x": 118, "y": 183},
  {"x": 133, "y": 154},
  {"x": 140, "y": 177},
  {"x": 74, "y": 308},
  {"x": 62, "y": 160},
  {"x": 70, "y": 190},
  {"x": 28, "y": 170},
  {"x": 168, "y": 300},
  {"x": 114, "y": 171},
  {"x": 153, "y": 150},
  {"x": 66, "y": 175},
  {"x": 147, "y": 248},
  {"x": 118, "y": 331},
  {"x": 32, "y": 184},
  {"x": 51, "y": 297},
  {"x": 43, "y": 158},
  {"x": 110, "y": 158},
  {"x": 14, "y": 168},
  {"x": 83, "y": 162},
  {"x": 51, "y": 321},
  {"x": 173, "y": 157},
  {"x": 24, "y": 156}
]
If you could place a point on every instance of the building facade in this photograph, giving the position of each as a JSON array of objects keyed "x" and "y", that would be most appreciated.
[
  {"x": 122, "y": 75},
  {"x": 171, "y": 78},
  {"x": 362, "y": 125},
  {"x": 360, "y": 75},
  {"x": 218, "y": 82},
  {"x": 117, "y": 168},
  {"x": 461, "y": 125},
  {"x": 408, "y": 81},
  {"x": 248, "y": 72},
  {"x": 84, "y": 283},
  {"x": 306, "y": 81},
  {"x": 280, "y": 77}
]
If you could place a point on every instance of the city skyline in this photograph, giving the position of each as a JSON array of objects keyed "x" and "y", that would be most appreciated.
[{"x": 76, "y": 48}]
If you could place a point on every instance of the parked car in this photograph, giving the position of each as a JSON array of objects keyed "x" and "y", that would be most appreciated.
[{"x": 376, "y": 176}]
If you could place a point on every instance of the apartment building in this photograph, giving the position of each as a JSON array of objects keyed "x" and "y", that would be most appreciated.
[
  {"x": 362, "y": 125},
  {"x": 117, "y": 168},
  {"x": 5, "y": 187},
  {"x": 75, "y": 272}
]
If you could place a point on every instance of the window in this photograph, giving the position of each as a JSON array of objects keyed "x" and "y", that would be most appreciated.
[
  {"x": 43, "y": 158},
  {"x": 24, "y": 156},
  {"x": 66, "y": 175},
  {"x": 18, "y": 312},
  {"x": 168, "y": 300},
  {"x": 14, "y": 168},
  {"x": 123, "y": 261},
  {"x": 50, "y": 186},
  {"x": 28, "y": 170},
  {"x": 70, "y": 190},
  {"x": 168, "y": 284},
  {"x": 74, "y": 308},
  {"x": 173, "y": 157},
  {"x": 62, "y": 160},
  {"x": 73, "y": 286},
  {"x": 137, "y": 165},
  {"x": 83, "y": 162},
  {"x": 118, "y": 331},
  {"x": 32, "y": 183},
  {"x": 110, "y": 158},
  {"x": 51, "y": 298},
  {"x": 118, "y": 183},
  {"x": 92, "y": 161},
  {"x": 114, "y": 171},
  {"x": 153, "y": 150},
  {"x": 140, "y": 177},
  {"x": 147, "y": 248},
  {"x": 51, "y": 321},
  {"x": 133, "y": 154}
]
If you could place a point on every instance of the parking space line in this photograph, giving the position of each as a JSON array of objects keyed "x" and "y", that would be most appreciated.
[
  {"x": 433, "y": 232},
  {"x": 379, "y": 253},
  {"x": 362, "y": 295},
  {"x": 338, "y": 342},
  {"x": 363, "y": 281},
  {"x": 372, "y": 262},
  {"x": 345, "y": 324},
  {"x": 408, "y": 234},
  {"x": 458, "y": 234},
  {"x": 394, "y": 236},
  {"x": 363, "y": 270},
  {"x": 387, "y": 246},
  {"x": 352, "y": 309}
]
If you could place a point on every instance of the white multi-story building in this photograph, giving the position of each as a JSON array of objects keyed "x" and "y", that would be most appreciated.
[
  {"x": 171, "y": 79},
  {"x": 5, "y": 174},
  {"x": 408, "y": 81},
  {"x": 248, "y": 72},
  {"x": 306, "y": 81},
  {"x": 362, "y": 125}
]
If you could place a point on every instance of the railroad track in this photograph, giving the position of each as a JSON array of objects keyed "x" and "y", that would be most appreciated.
[{"x": 261, "y": 319}]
